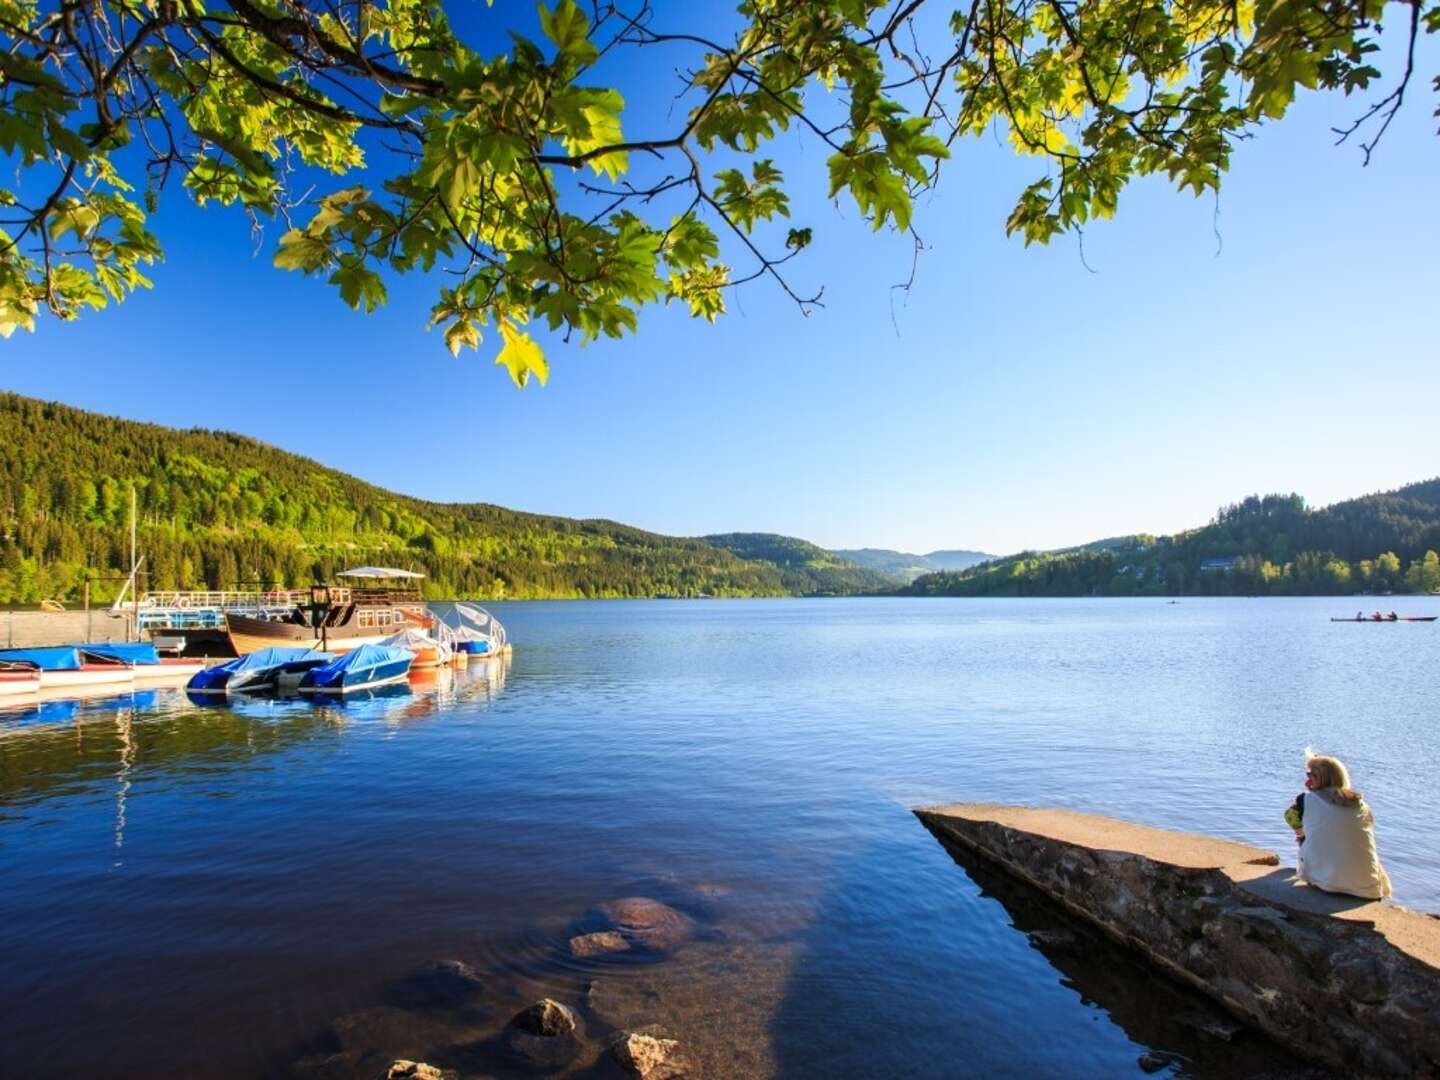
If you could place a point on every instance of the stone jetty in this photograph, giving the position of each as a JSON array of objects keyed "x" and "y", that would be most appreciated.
[{"x": 1350, "y": 984}]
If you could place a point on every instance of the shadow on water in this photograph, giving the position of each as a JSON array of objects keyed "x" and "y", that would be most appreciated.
[{"x": 991, "y": 978}]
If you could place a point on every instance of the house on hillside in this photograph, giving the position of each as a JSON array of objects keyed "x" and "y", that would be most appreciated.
[{"x": 1216, "y": 565}]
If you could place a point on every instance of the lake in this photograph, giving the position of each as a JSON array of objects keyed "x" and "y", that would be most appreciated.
[{"x": 247, "y": 890}]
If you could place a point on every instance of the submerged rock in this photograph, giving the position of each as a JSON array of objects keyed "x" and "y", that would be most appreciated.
[
  {"x": 347, "y": 1065},
  {"x": 650, "y": 1054},
  {"x": 606, "y": 941},
  {"x": 646, "y": 923},
  {"x": 544, "y": 1034},
  {"x": 1152, "y": 1061},
  {"x": 621, "y": 1003},
  {"x": 1058, "y": 940},
  {"x": 445, "y": 982},
  {"x": 393, "y": 1032},
  {"x": 1217, "y": 1027}
]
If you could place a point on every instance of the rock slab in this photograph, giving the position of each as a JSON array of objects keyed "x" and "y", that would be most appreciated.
[{"x": 1354, "y": 986}]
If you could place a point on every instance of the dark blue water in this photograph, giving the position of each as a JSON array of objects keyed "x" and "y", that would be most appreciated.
[{"x": 204, "y": 891}]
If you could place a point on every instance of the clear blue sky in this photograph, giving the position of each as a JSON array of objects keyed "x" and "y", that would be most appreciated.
[{"x": 1014, "y": 399}]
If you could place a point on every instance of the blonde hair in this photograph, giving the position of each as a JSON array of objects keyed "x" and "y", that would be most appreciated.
[{"x": 1330, "y": 773}]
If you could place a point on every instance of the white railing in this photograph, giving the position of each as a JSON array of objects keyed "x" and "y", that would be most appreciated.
[{"x": 230, "y": 598}]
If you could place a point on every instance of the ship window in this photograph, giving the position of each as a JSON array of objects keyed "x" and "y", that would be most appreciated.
[{"x": 367, "y": 618}]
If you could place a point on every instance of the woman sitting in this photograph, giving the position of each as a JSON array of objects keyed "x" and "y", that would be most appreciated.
[{"x": 1336, "y": 833}]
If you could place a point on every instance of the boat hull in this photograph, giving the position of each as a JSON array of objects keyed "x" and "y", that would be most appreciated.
[
  {"x": 251, "y": 635},
  {"x": 358, "y": 677},
  {"x": 14, "y": 684},
  {"x": 1402, "y": 618},
  {"x": 168, "y": 670},
  {"x": 89, "y": 675}
]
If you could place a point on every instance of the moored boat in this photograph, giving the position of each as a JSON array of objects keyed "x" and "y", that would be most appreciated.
[
  {"x": 337, "y": 618},
  {"x": 255, "y": 671},
  {"x": 475, "y": 631},
  {"x": 148, "y": 664},
  {"x": 69, "y": 665},
  {"x": 17, "y": 679},
  {"x": 429, "y": 652},
  {"x": 361, "y": 668}
]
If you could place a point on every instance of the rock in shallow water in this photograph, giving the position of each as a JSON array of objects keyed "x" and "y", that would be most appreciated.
[
  {"x": 649, "y": 1054},
  {"x": 646, "y": 923},
  {"x": 418, "y": 1070},
  {"x": 544, "y": 1034},
  {"x": 607, "y": 941}
]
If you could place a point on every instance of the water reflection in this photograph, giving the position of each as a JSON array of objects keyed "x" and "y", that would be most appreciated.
[{"x": 58, "y": 745}]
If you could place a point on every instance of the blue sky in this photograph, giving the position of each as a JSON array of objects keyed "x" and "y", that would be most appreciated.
[{"x": 1015, "y": 398}]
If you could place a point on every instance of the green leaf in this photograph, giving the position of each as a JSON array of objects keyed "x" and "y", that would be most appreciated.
[
  {"x": 300, "y": 251},
  {"x": 359, "y": 285},
  {"x": 461, "y": 333},
  {"x": 521, "y": 355}
]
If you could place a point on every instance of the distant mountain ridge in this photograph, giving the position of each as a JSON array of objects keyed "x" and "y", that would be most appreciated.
[
  {"x": 1262, "y": 545},
  {"x": 908, "y": 567}
]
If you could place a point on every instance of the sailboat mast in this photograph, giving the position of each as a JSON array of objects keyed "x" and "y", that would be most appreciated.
[{"x": 134, "y": 572}]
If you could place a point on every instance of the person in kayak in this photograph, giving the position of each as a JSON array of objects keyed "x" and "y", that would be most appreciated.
[{"x": 1336, "y": 833}]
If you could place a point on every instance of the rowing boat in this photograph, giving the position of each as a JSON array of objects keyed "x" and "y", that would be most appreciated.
[{"x": 1400, "y": 618}]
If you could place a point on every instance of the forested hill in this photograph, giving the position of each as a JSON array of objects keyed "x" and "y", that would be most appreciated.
[
  {"x": 219, "y": 511},
  {"x": 1273, "y": 544},
  {"x": 804, "y": 568},
  {"x": 907, "y": 567}
]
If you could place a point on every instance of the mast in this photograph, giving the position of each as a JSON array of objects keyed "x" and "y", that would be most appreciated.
[{"x": 134, "y": 573}]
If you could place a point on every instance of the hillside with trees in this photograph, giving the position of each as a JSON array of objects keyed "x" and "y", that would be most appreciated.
[
  {"x": 805, "y": 569},
  {"x": 217, "y": 510},
  {"x": 906, "y": 566},
  {"x": 1262, "y": 545}
]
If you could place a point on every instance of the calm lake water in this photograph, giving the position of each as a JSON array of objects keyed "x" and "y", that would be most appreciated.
[{"x": 203, "y": 891}]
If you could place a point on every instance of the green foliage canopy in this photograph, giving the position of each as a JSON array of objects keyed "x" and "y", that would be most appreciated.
[{"x": 387, "y": 144}]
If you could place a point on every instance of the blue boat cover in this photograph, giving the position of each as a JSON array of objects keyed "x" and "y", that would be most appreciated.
[
  {"x": 276, "y": 656},
  {"x": 366, "y": 656},
  {"x": 132, "y": 652},
  {"x": 58, "y": 658}
]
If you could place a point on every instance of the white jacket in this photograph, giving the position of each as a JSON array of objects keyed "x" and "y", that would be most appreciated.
[{"x": 1338, "y": 854}]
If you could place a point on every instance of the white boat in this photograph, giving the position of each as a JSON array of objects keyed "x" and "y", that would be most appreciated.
[
  {"x": 148, "y": 665},
  {"x": 474, "y": 633},
  {"x": 71, "y": 666}
]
